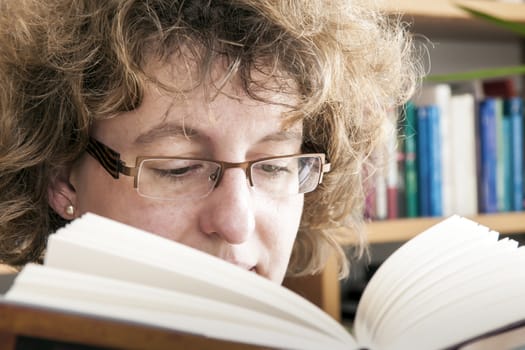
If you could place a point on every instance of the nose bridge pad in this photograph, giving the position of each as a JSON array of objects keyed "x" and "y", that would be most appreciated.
[
  {"x": 218, "y": 174},
  {"x": 248, "y": 172}
]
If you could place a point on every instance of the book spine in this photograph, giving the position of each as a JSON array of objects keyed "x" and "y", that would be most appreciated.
[
  {"x": 514, "y": 108},
  {"x": 446, "y": 185},
  {"x": 400, "y": 200},
  {"x": 502, "y": 159},
  {"x": 392, "y": 182},
  {"x": 436, "y": 179},
  {"x": 410, "y": 161},
  {"x": 488, "y": 154},
  {"x": 370, "y": 203},
  {"x": 439, "y": 96},
  {"x": 380, "y": 196},
  {"x": 423, "y": 161},
  {"x": 463, "y": 155},
  {"x": 506, "y": 159}
]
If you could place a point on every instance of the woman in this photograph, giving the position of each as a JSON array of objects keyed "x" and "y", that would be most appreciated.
[{"x": 241, "y": 128}]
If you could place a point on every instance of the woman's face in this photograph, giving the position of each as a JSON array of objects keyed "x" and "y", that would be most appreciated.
[{"x": 234, "y": 222}]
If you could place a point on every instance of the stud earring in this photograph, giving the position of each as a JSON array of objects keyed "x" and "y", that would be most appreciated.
[{"x": 70, "y": 210}]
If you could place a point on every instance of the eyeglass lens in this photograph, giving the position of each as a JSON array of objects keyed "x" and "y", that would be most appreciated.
[{"x": 175, "y": 178}]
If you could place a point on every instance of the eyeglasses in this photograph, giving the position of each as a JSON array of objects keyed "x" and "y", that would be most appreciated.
[{"x": 171, "y": 178}]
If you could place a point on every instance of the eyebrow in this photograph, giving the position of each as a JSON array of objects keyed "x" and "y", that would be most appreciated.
[
  {"x": 172, "y": 129},
  {"x": 165, "y": 129},
  {"x": 284, "y": 135}
]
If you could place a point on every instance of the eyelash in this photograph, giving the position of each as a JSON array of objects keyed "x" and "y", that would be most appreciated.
[{"x": 174, "y": 171}]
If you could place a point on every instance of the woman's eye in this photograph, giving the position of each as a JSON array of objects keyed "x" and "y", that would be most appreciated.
[
  {"x": 181, "y": 171},
  {"x": 271, "y": 168}
]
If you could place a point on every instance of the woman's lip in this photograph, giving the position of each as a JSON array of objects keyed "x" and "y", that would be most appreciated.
[
  {"x": 244, "y": 266},
  {"x": 251, "y": 268}
]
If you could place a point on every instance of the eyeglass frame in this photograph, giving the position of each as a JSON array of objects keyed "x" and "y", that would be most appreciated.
[{"x": 110, "y": 160}]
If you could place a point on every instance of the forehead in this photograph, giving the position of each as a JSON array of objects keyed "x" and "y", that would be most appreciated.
[
  {"x": 179, "y": 95},
  {"x": 185, "y": 71}
]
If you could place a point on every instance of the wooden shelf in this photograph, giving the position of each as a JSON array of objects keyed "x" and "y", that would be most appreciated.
[
  {"x": 442, "y": 18},
  {"x": 403, "y": 229},
  {"x": 446, "y": 9}
]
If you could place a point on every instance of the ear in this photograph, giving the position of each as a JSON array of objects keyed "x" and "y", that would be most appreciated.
[{"x": 62, "y": 195}]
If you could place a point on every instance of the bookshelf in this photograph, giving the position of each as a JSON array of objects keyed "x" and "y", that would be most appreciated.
[
  {"x": 433, "y": 19},
  {"x": 442, "y": 19}
]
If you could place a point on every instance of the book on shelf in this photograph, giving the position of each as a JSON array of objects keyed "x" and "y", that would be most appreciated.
[
  {"x": 383, "y": 197},
  {"x": 509, "y": 136},
  {"x": 380, "y": 200},
  {"x": 503, "y": 159},
  {"x": 488, "y": 156},
  {"x": 423, "y": 160},
  {"x": 400, "y": 150},
  {"x": 429, "y": 161},
  {"x": 451, "y": 287},
  {"x": 436, "y": 161},
  {"x": 393, "y": 183},
  {"x": 513, "y": 110},
  {"x": 436, "y": 98},
  {"x": 462, "y": 149},
  {"x": 409, "y": 129},
  {"x": 463, "y": 155},
  {"x": 503, "y": 88}
]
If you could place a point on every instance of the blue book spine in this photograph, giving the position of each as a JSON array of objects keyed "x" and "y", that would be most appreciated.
[
  {"x": 513, "y": 108},
  {"x": 507, "y": 155},
  {"x": 488, "y": 156},
  {"x": 423, "y": 161},
  {"x": 503, "y": 159},
  {"x": 435, "y": 167}
]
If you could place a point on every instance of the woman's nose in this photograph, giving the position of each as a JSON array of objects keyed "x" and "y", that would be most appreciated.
[{"x": 229, "y": 209}]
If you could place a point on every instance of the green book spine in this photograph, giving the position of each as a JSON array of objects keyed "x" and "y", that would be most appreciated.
[{"x": 409, "y": 129}]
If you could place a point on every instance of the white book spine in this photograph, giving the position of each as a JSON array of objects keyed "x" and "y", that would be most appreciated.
[{"x": 463, "y": 143}]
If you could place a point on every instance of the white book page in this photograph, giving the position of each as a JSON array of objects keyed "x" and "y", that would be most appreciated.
[
  {"x": 401, "y": 269},
  {"x": 448, "y": 272},
  {"x": 465, "y": 318},
  {"x": 459, "y": 282},
  {"x": 433, "y": 290},
  {"x": 131, "y": 302},
  {"x": 492, "y": 298},
  {"x": 94, "y": 245}
]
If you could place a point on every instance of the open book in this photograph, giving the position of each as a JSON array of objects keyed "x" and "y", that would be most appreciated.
[{"x": 447, "y": 288}]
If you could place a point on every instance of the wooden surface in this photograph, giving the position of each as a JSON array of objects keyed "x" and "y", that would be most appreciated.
[
  {"x": 323, "y": 289},
  {"x": 403, "y": 229},
  {"x": 400, "y": 230},
  {"x": 18, "y": 320},
  {"x": 447, "y": 9},
  {"x": 442, "y": 18},
  {"x": 4, "y": 269}
]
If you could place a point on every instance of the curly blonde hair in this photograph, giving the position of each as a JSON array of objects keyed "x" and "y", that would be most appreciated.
[{"x": 65, "y": 63}]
